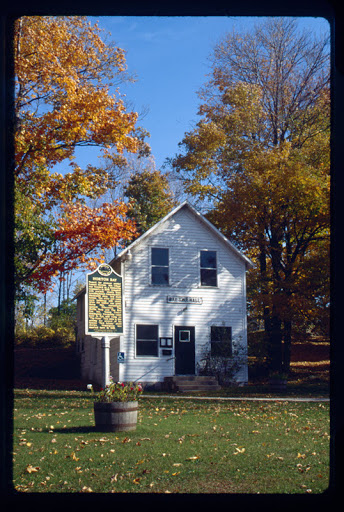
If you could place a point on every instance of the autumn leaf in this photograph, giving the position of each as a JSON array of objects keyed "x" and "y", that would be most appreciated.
[
  {"x": 32, "y": 469},
  {"x": 239, "y": 450}
]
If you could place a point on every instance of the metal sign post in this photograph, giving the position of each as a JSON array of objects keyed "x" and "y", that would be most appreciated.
[
  {"x": 104, "y": 311},
  {"x": 105, "y": 361}
]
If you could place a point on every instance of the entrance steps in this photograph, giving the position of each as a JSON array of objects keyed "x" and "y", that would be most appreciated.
[{"x": 189, "y": 383}]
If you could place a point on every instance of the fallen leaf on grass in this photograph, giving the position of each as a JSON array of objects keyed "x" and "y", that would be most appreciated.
[
  {"x": 193, "y": 458},
  {"x": 32, "y": 469}
]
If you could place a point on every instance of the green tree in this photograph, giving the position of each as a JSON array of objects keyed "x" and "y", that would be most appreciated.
[
  {"x": 261, "y": 152},
  {"x": 63, "y": 316},
  {"x": 149, "y": 198}
]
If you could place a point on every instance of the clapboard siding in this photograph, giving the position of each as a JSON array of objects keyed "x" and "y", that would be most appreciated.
[
  {"x": 185, "y": 234},
  {"x": 185, "y": 237}
]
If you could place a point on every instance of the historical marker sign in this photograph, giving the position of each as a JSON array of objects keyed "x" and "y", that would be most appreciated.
[{"x": 104, "y": 312}]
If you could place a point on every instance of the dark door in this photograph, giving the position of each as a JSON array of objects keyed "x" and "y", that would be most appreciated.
[{"x": 184, "y": 346}]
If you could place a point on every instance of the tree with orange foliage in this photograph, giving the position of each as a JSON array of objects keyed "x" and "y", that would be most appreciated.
[
  {"x": 64, "y": 75},
  {"x": 261, "y": 153}
]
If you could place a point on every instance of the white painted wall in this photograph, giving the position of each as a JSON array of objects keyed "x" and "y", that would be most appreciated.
[{"x": 185, "y": 235}]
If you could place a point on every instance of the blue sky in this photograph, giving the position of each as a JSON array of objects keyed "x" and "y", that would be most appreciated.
[{"x": 169, "y": 56}]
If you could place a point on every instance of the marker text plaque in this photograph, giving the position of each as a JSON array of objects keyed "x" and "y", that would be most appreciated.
[{"x": 104, "y": 311}]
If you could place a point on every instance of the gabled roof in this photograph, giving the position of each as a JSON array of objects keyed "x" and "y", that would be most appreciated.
[{"x": 202, "y": 219}]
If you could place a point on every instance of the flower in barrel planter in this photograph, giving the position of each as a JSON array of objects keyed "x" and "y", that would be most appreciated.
[
  {"x": 120, "y": 392},
  {"x": 116, "y": 407}
]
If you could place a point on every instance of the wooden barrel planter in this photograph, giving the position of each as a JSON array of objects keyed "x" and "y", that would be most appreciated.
[{"x": 115, "y": 416}]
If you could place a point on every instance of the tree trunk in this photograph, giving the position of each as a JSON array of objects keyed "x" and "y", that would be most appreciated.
[
  {"x": 287, "y": 346},
  {"x": 59, "y": 299},
  {"x": 275, "y": 343},
  {"x": 262, "y": 268},
  {"x": 276, "y": 356},
  {"x": 45, "y": 310}
]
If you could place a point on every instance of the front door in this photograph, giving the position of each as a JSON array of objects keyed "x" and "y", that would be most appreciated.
[{"x": 184, "y": 347}]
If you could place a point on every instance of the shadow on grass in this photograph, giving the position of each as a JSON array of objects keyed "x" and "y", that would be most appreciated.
[{"x": 85, "y": 429}]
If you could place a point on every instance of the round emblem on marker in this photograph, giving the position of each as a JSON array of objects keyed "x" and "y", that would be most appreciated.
[{"x": 104, "y": 269}]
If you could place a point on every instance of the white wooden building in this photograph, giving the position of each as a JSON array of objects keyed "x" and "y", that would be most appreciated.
[{"x": 184, "y": 291}]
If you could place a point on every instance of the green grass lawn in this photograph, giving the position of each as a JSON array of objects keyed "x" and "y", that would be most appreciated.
[{"x": 179, "y": 446}]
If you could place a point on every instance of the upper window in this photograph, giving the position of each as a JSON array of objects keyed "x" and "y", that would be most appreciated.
[
  {"x": 147, "y": 340},
  {"x": 221, "y": 341},
  {"x": 208, "y": 268},
  {"x": 160, "y": 270}
]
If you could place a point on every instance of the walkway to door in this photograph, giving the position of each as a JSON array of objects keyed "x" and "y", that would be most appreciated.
[{"x": 267, "y": 399}]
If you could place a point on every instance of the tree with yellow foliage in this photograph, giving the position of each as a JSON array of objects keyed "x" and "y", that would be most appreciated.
[
  {"x": 261, "y": 152},
  {"x": 65, "y": 75}
]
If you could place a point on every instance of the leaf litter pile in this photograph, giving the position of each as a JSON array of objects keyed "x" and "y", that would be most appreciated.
[{"x": 179, "y": 446}]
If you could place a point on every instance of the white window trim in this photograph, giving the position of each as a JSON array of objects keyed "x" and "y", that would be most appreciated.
[
  {"x": 165, "y": 266},
  {"x": 200, "y": 268},
  {"x": 135, "y": 337}
]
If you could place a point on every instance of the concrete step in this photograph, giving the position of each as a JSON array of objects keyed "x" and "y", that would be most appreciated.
[
  {"x": 189, "y": 383},
  {"x": 191, "y": 388}
]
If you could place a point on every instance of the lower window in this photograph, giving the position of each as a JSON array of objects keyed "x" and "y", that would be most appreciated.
[
  {"x": 147, "y": 337},
  {"x": 221, "y": 341}
]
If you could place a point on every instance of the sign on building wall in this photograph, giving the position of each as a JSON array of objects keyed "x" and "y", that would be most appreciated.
[
  {"x": 104, "y": 311},
  {"x": 183, "y": 299}
]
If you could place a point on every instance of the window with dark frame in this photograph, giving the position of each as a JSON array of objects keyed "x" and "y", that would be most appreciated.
[
  {"x": 208, "y": 262},
  {"x": 160, "y": 266},
  {"x": 147, "y": 338},
  {"x": 221, "y": 341}
]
